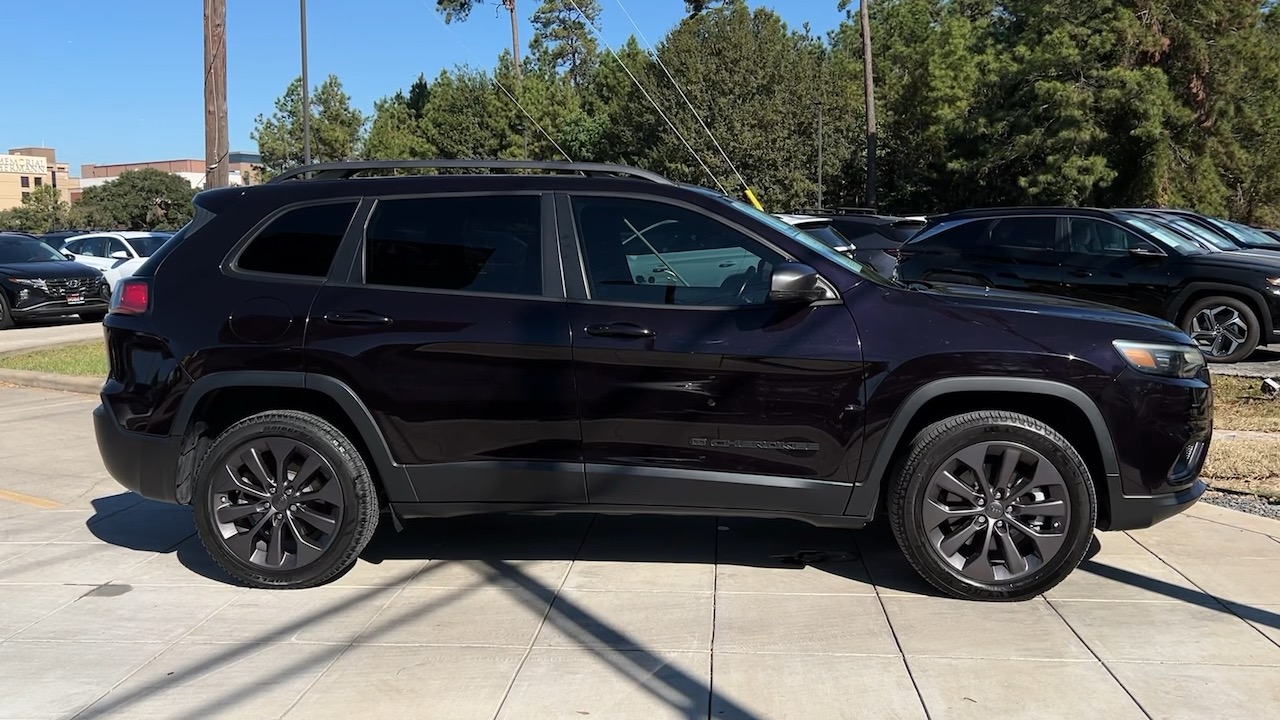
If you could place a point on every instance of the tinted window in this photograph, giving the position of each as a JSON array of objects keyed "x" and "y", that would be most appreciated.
[
  {"x": 147, "y": 246},
  {"x": 477, "y": 244},
  {"x": 955, "y": 233},
  {"x": 303, "y": 241},
  {"x": 1034, "y": 233},
  {"x": 116, "y": 245},
  {"x": 1167, "y": 236},
  {"x": 649, "y": 252},
  {"x": 94, "y": 247},
  {"x": 39, "y": 182},
  {"x": 71, "y": 247},
  {"x": 1096, "y": 237}
]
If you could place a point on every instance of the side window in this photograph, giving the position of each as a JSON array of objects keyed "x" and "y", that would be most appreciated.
[
  {"x": 302, "y": 241},
  {"x": 955, "y": 234},
  {"x": 94, "y": 247},
  {"x": 1031, "y": 233},
  {"x": 73, "y": 247},
  {"x": 477, "y": 244},
  {"x": 1095, "y": 237},
  {"x": 116, "y": 245},
  {"x": 649, "y": 252}
]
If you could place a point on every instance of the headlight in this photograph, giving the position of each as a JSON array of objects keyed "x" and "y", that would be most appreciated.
[
  {"x": 1182, "y": 361},
  {"x": 36, "y": 283}
]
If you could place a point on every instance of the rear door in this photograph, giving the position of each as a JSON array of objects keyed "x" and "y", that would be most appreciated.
[
  {"x": 93, "y": 251},
  {"x": 695, "y": 391},
  {"x": 450, "y": 324},
  {"x": 1011, "y": 253}
]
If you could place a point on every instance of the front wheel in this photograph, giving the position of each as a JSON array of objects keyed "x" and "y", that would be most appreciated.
[
  {"x": 992, "y": 505},
  {"x": 284, "y": 500},
  {"x": 1226, "y": 329},
  {"x": 6, "y": 317}
]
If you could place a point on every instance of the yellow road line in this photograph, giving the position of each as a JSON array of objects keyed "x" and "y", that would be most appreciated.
[{"x": 29, "y": 500}]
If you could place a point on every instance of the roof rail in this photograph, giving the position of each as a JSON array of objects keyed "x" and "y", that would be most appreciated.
[{"x": 345, "y": 170}]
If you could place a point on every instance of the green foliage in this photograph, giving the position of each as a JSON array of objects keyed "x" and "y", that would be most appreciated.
[
  {"x": 980, "y": 102},
  {"x": 144, "y": 199},
  {"x": 41, "y": 211},
  {"x": 336, "y": 128}
]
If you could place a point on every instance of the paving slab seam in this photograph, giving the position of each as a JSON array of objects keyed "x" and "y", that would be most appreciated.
[
  {"x": 1224, "y": 604},
  {"x": 533, "y": 639},
  {"x": 906, "y": 663},
  {"x": 41, "y": 618},
  {"x": 711, "y": 642},
  {"x": 1233, "y": 527},
  {"x": 800, "y": 594},
  {"x": 166, "y": 648},
  {"x": 1097, "y": 657}
]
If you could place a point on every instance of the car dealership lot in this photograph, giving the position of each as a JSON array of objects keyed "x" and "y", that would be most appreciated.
[{"x": 112, "y": 609}]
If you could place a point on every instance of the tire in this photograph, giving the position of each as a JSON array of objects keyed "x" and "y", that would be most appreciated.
[
  {"x": 1226, "y": 329},
  {"x": 919, "y": 489},
  {"x": 6, "y": 318},
  {"x": 238, "y": 532},
  {"x": 93, "y": 317}
]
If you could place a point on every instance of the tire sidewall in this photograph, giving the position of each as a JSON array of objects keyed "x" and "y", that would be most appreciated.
[
  {"x": 6, "y": 312},
  {"x": 1251, "y": 318},
  {"x": 1079, "y": 489},
  {"x": 346, "y": 468}
]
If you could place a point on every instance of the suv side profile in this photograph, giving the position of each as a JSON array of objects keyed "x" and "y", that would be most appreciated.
[
  {"x": 313, "y": 355},
  {"x": 1227, "y": 301}
]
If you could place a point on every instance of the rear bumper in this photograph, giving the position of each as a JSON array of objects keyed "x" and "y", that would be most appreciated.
[
  {"x": 1129, "y": 512},
  {"x": 145, "y": 464}
]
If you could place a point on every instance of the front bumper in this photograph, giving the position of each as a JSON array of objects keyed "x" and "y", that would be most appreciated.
[
  {"x": 58, "y": 308},
  {"x": 1135, "y": 512},
  {"x": 145, "y": 464}
]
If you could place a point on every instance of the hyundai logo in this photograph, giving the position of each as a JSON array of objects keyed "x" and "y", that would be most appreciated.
[{"x": 73, "y": 284}]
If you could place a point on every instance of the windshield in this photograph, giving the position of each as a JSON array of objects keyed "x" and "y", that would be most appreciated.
[
  {"x": 147, "y": 246},
  {"x": 28, "y": 250},
  {"x": 1250, "y": 235},
  {"x": 1200, "y": 232},
  {"x": 1168, "y": 237},
  {"x": 802, "y": 237}
]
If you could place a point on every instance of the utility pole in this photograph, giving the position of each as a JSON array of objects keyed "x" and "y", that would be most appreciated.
[
  {"x": 306, "y": 89},
  {"x": 819, "y": 104},
  {"x": 217, "y": 171},
  {"x": 871, "y": 102},
  {"x": 510, "y": 5}
]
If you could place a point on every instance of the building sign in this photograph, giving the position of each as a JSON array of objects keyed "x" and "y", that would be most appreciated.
[{"x": 23, "y": 165}]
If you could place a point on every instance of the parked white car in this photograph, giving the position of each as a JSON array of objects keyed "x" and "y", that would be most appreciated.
[{"x": 116, "y": 254}]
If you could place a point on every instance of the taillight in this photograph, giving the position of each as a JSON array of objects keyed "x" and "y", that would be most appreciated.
[{"x": 131, "y": 297}]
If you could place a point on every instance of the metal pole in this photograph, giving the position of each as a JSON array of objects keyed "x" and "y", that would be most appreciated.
[{"x": 306, "y": 91}]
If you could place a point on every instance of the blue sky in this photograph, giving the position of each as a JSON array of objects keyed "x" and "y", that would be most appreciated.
[{"x": 121, "y": 81}]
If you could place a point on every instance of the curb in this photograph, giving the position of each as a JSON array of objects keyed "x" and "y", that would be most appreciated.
[{"x": 52, "y": 381}]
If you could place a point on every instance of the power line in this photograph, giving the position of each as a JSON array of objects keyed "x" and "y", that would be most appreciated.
[
  {"x": 498, "y": 82},
  {"x": 684, "y": 97},
  {"x": 648, "y": 97}
]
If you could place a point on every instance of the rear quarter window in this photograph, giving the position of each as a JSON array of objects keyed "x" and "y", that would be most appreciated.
[{"x": 302, "y": 242}]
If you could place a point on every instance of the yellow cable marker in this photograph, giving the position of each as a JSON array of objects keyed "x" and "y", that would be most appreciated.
[
  {"x": 31, "y": 500},
  {"x": 752, "y": 197}
]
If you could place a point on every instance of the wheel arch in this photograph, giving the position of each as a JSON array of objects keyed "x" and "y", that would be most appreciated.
[
  {"x": 214, "y": 402},
  {"x": 1198, "y": 290},
  {"x": 1064, "y": 407}
]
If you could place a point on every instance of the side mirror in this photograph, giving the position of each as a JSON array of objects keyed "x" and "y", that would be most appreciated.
[
  {"x": 795, "y": 283},
  {"x": 1145, "y": 252},
  {"x": 120, "y": 255},
  {"x": 67, "y": 254}
]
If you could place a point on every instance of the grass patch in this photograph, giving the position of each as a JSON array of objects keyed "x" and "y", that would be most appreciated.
[
  {"x": 1238, "y": 404},
  {"x": 84, "y": 360},
  {"x": 1247, "y": 465}
]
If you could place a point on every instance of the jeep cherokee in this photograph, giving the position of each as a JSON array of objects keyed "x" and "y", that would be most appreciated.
[{"x": 312, "y": 355}]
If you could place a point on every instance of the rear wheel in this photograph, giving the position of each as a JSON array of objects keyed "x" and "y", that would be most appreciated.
[
  {"x": 1226, "y": 329},
  {"x": 992, "y": 506},
  {"x": 284, "y": 500}
]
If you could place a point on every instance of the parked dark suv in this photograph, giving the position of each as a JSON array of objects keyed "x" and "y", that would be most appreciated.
[
  {"x": 1228, "y": 301},
  {"x": 315, "y": 353},
  {"x": 37, "y": 281}
]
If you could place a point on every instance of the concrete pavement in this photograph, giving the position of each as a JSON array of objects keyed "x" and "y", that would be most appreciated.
[
  {"x": 110, "y": 608},
  {"x": 48, "y": 334}
]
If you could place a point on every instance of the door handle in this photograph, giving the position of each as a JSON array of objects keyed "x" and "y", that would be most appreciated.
[
  {"x": 619, "y": 330},
  {"x": 357, "y": 317},
  {"x": 727, "y": 264}
]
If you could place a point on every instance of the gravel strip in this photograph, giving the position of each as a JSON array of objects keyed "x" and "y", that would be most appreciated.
[{"x": 1243, "y": 503}]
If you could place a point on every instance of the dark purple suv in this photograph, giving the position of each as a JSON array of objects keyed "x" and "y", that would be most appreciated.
[{"x": 314, "y": 354}]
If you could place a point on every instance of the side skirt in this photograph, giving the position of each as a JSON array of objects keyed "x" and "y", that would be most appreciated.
[{"x": 412, "y": 511}]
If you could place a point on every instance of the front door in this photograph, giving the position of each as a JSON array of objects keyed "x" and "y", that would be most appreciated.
[
  {"x": 444, "y": 330},
  {"x": 694, "y": 390},
  {"x": 1107, "y": 264}
]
